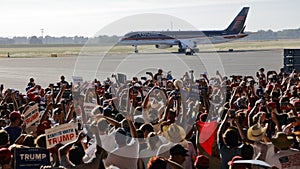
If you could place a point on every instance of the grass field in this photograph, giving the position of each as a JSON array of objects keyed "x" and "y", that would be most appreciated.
[{"x": 22, "y": 51}]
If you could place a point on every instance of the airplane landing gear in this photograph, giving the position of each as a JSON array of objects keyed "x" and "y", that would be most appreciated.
[
  {"x": 181, "y": 50},
  {"x": 136, "y": 49},
  {"x": 189, "y": 51}
]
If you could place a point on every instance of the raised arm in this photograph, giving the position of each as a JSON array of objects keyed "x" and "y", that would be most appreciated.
[
  {"x": 65, "y": 149},
  {"x": 221, "y": 129},
  {"x": 112, "y": 122},
  {"x": 60, "y": 93}
]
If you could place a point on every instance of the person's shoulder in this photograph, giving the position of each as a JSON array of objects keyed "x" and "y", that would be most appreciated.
[
  {"x": 164, "y": 147},
  {"x": 144, "y": 152},
  {"x": 10, "y": 128}
]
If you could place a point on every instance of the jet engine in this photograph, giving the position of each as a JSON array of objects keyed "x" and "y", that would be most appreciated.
[{"x": 163, "y": 46}]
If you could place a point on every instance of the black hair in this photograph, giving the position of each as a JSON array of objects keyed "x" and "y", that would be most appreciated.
[
  {"x": 4, "y": 137},
  {"x": 40, "y": 141},
  {"x": 147, "y": 127},
  {"x": 231, "y": 138},
  {"x": 76, "y": 154},
  {"x": 102, "y": 124},
  {"x": 120, "y": 136}
]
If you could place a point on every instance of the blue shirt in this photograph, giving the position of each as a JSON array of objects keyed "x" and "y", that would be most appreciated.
[{"x": 14, "y": 133}]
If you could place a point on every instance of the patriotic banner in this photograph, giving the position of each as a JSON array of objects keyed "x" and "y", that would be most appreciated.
[{"x": 207, "y": 135}]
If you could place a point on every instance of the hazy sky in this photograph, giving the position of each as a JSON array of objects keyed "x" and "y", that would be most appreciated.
[{"x": 87, "y": 17}]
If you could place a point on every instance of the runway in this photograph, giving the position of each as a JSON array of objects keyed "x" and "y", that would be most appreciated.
[{"x": 15, "y": 72}]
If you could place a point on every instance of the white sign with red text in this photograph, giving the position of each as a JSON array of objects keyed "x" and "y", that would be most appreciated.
[
  {"x": 64, "y": 133},
  {"x": 31, "y": 115}
]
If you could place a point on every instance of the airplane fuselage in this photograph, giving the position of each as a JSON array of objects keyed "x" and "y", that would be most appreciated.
[{"x": 174, "y": 37}]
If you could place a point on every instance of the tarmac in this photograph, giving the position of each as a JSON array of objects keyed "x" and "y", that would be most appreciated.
[{"x": 15, "y": 72}]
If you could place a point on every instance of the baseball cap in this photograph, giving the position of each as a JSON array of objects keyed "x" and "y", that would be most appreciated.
[{"x": 15, "y": 115}]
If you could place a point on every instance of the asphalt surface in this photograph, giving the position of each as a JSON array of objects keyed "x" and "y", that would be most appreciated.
[{"x": 15, "y": 72}]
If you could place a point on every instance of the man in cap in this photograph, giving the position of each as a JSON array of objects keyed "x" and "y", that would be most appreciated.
[
  {"x": 175, "y": 134},
  {"x": 178, "y": 154},
  {"x": 14, "y": 129},
  {"x": 261, "y": 76}
]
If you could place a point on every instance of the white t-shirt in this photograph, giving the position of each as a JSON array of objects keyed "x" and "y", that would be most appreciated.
[
  {"x": 266, "y": 150},
  {"x": 125, "y": 157},
  {"x": 108, "y": 142},
  {"x": 286, "y": 159}
]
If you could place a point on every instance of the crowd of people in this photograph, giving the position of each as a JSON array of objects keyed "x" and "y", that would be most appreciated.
[{"x": 154, "y": 122}]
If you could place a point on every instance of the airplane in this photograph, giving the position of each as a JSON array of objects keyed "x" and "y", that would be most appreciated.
[{"x": 187, "y": 40}]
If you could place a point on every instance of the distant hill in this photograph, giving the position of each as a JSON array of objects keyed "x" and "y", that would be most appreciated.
[{"x": 260, "y": 35}]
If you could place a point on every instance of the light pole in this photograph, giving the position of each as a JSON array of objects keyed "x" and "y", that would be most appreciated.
[{"x": 42, "y": 31}]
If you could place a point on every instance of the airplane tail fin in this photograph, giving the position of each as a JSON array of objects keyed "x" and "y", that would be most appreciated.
[{"x": 237, "y": 25}]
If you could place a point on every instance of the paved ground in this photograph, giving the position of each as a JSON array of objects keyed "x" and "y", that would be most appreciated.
[{"x": 15, "y": 72}]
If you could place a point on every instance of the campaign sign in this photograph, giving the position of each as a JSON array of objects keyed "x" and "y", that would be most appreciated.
[
  {"x": 122, "y": 78},
  {"x": 88, "y": 107},
  {"x": 77, "y": 79},
  {"x": 194, "y": 92},
  {"x": 32, "y": 158},
  {"x": 31, "y": 115},
  {"x": 64, "y": 133}
]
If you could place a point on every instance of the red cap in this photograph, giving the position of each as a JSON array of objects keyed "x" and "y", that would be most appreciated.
[
  {"x": 30, "y": 96},
  {"x": 202, "y": 160},
  {"x": 37, "y": 98},
  {"x": 297, "y": 102},
  {"x": 272, "y": 105},
  {"x": 15, "y": 115},
  {"x": 5, "y": 156},
  {"x": 42, "y": 127}
]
